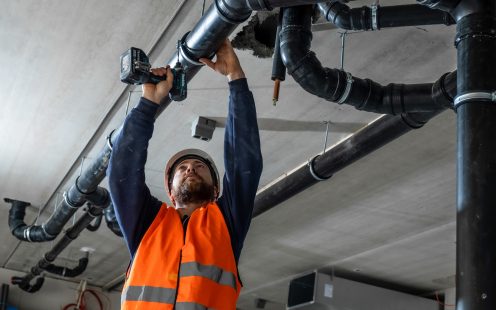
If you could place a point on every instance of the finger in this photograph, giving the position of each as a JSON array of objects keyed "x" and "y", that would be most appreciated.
[
  {"x": 170, "y": 76},
  {"x": 208, "y": 62},
  {"x": 159, "y": 71}
]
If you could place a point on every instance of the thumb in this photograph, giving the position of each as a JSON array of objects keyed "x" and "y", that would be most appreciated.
[{"x": 207, "y": 62}]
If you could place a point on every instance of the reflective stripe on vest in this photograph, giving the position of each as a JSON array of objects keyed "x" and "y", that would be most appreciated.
[
  {"x": 149, "y": 293},
  {"x": 190, "y": 306},
  {"x": 166, "y": 295},
  {"x": 213, "y": 273}
]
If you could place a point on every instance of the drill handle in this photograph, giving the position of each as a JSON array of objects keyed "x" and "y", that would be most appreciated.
[{"x": 152, "y": 78}]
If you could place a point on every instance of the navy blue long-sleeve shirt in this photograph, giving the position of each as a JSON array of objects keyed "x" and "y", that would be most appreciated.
[{"x": 136, "y": 208}]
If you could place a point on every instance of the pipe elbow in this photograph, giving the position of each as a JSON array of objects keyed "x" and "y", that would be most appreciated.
[{"x": 337, "y": 13}]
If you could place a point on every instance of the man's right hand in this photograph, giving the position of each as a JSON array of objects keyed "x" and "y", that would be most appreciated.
[{"x": 157, "y": 92}]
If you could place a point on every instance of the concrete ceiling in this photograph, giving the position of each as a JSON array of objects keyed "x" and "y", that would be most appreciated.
[{"x": 389, "y": 217}]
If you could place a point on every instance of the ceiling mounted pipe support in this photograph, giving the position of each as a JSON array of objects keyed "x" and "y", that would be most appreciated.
[
  {"x": 340, "y": 86},
  {"x": 476, "y": 156},
  {"x": 378, "y": 17}
]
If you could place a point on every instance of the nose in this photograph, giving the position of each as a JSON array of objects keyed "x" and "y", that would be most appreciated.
[{"x": 190, "y": 168}]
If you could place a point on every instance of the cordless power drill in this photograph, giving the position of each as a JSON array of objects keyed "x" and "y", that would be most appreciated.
[{"x": 135, "y": 69}]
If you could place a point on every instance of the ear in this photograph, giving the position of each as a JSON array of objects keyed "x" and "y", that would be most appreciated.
[{"x": 216, "y": 191}]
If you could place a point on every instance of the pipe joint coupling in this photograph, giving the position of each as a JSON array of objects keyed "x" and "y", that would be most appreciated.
[
  {"x": 373, "y": 12},
  {"x": 48, "y": 235},
  {"x": 314, "y": 174},
  {"x": 70, "y": 203},
  {"x": 347, "y": 90},
  {"x": 109, "y": 140},
  {"x": 259, "y": 5},
  {"x": 232, "y": 12},
  {"x": 187, "y": 55}
]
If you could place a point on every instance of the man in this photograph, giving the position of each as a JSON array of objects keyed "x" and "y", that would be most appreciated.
[{"x": 185, "y": 256}]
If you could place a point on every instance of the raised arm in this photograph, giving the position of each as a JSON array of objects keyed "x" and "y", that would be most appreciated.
[
  {"x": 242, "y": 156},
  {"x": 134, "y": 205}
]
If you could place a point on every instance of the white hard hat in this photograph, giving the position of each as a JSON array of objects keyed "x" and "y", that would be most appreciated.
[{"x": 188, "y": 154}]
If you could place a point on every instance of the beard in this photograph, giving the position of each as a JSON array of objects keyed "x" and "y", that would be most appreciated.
[{"x": 193, "y": 191}]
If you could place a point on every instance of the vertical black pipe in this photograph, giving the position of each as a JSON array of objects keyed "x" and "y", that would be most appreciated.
[
  {"x": 4, "y": 296},
  {"x": 476, "y": 168}
]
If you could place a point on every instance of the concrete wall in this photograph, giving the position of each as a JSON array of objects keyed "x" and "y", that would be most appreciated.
[{"x": 54, "y": 295}]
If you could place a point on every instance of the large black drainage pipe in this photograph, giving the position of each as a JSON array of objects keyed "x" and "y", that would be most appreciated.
[
  {"x": 378, "y": 17},
  {"x": 339, "y": 86}
]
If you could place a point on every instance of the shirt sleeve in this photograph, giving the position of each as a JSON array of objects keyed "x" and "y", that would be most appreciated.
[
  {"x": 134, "y": 205},
  {"x": 242, "y": 161}
]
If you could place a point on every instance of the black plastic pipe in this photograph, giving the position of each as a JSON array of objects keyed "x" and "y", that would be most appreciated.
[
  {"x": 94, "y": 210},
  {"x": 73, "y": 199},
  {"x": 375, "y": 18},
  {"x": 341, "y": 87},
  {"x": 476, "y": 136},
  {"x": 4, "y": 296},
  {"x": 268, "y": 5},
  {"x": 111, "y": 220},
  {"x": 370, "y": 138},
  {"x": 69, "y": 272}
]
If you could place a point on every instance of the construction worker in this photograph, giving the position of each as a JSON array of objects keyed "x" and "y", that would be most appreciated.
[{"x": 185, "y": 255}]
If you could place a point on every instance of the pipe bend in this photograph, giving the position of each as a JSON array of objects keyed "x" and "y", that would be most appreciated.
[{"x": 302, "y": 64}]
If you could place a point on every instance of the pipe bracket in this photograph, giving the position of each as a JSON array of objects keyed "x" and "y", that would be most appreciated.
[
  {"x": 314, "y": 174},
  {"x": 460, "y": 99},
  {"x": 27, "y": 233},
  {"x": 347, "y": 91},
  {"x": 69, "y": 202},
  {"x": 109, "y": 140},
  {"x": 375, "y": 25},
  {"x": 183, "y": 49}
]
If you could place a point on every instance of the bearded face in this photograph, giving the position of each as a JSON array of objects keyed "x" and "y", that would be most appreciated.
[
  {"x": 193, "y": 189},
  {"x": 192, "y": 183}
]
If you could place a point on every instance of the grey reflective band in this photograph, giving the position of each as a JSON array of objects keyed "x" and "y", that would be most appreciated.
[
  {"x": 150, "y": 294},
  {"x": 349, "y": 82},
  {"x": 211, "y": 272},
  {"x": 374, "y": 7},
  {"x": 189, "y": 306},
  {"x": 474, "y": 95}
]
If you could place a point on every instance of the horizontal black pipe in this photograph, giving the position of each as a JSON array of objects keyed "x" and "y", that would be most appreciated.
[
  {"x": 365, "y": 141},
  {"x": 268, "y": 5},
  {"x": 73, "y": 199},
  {"x": 365, "y": 18},
  {"x": 69, "y": 272},
  {"x": 337, "y": 85}
]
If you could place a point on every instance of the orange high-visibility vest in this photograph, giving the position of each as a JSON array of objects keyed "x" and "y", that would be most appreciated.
[{"x": 174, "y": 271}]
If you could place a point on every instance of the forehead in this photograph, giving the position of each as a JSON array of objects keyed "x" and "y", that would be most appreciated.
[{"x": 190, "y": 161}]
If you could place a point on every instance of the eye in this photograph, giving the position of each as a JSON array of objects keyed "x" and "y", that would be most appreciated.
[{"x": 200, "y": 165}]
